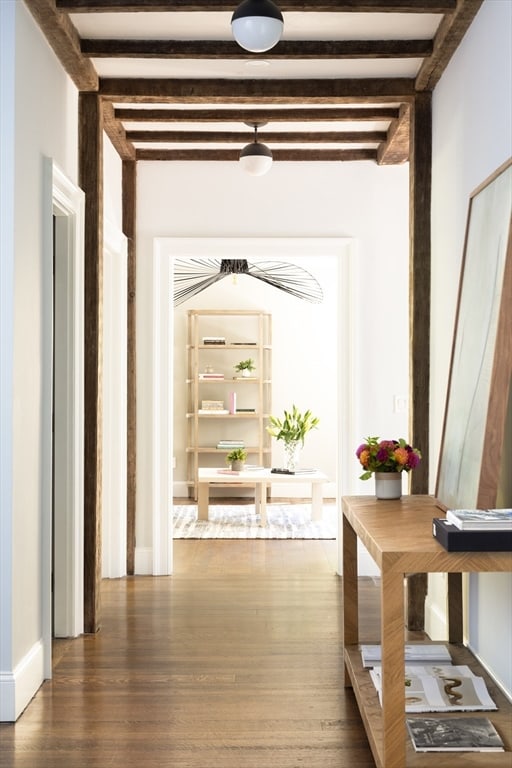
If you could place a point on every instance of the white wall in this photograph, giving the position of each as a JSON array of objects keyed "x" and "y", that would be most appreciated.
[
  {"x": 45, "y": 124},
  {"x": 472, "y": 130},
  {"x": 299, "y": 200}
]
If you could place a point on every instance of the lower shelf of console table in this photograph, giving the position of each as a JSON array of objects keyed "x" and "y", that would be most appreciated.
[
  {"x": 371, "y": 714},
  {"x": 398, "y": 536}
]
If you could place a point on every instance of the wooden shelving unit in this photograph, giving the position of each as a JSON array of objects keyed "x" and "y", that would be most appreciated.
[
  {"x": 247, "y": 334},
  {"x": 398, "y": 535}
]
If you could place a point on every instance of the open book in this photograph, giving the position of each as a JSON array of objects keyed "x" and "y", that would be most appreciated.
[{"x": 448, "y": 689}]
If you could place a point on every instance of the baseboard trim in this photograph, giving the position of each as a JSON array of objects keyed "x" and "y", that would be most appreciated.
[
  {"x": 18, "y": 687},
  {"x": 143, "y": 561}
]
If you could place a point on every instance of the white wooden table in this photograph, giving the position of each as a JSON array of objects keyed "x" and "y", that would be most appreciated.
[{"x": 261, "y": 479}]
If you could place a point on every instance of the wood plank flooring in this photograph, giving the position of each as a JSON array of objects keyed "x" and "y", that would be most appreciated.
[{"x": 232, "y": 662}]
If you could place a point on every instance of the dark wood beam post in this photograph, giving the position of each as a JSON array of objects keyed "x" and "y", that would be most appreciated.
[
  {"x": 419, "y": 313},
  {"x": 129, "y": 226},
  {"x": 91, "y": 181}
]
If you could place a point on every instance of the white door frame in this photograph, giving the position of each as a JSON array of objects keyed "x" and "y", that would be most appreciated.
[
  {"x": 164, "y": 252},
  {"x": 65, "y": 201}
]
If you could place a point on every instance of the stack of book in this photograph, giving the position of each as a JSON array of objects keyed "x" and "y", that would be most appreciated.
[
  {"x": 212, "y": 408},
  {"x": 210, "y": 376},
  {"x": 229, "y": 445},
  {"x": 214, "y": 340},
  {"x": 474, "y": 530}
]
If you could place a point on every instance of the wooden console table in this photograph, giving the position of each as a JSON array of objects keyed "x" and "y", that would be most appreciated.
[{"x": 398, "y": 535}]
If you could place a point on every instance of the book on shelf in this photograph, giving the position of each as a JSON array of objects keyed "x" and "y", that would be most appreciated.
[
  {"x": 245, "y": 410},
  {"x": 455, "y": 540},
  {"x": 425, "y": 653},
  {"x": 232, "y": 402},
  {"x": 213, "y": 412},
  {"x": 211, "y": 376},
  {"x": 480, "y": 519},
  {"x": 433, "y": 693},
  {"x": 212, "y": 405},
  {"x": 454, "y": 734},
  {"x": 214, "y": 340},
  {"x": 245, "y": 378},
  {"x": 231, "y": 444},
  {"x": 243, "y": 343}
]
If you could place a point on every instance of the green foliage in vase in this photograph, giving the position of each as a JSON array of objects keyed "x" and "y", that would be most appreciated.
[
  {"x": 245, "y": 365},
  {"x": 237, "y": 454},
  {"x": 294, "y": 425}
]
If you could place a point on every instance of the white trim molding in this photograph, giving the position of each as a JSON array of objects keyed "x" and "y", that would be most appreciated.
[
  {"x": 18, "y": 687},
  {"x": 64, "y": 201}
]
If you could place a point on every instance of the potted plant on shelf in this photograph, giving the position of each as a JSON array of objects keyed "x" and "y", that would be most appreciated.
[
  {"x": 236, "y": 459},
  {"x": 387, "y": 459},
  {"x": 292, "y": 429},
  {"x": 245, "y": 367}
]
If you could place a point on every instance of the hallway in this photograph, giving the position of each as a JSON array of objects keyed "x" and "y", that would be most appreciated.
[{"x": 233, "y": 662}]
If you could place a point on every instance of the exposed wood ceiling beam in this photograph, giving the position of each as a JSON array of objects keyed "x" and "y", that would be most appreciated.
[
  {"x": 235, "y": 137},
  {"x": 295, "y": 155},
  {"x": 327, "y": 6},
  {"x": 228, "y": 49},
  {"x": 116, "y": 133},
  {"x": 345, "y": 114},
  {"x": 64, "y": 39},
  {"x": 451, "y": 31},
  {"x": 194, "y": 91},
  {"x": 395, "y": 150}
]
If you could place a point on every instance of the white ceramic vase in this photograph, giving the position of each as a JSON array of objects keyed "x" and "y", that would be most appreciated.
[{"x": 388, "y": 485}]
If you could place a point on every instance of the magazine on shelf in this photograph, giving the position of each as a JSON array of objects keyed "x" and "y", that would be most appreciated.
[
  {"x": 454, "y": 734},
  {"x": 451, "y": 693},
  {"x": 425, "y": 653},
  {"x": 480, "y": 519}
]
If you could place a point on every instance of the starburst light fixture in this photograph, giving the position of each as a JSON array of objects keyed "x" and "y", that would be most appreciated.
[{"x": 195, "y": 275}]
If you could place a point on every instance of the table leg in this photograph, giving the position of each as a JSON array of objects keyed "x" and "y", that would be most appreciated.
[
  {"x": 260, "y": 500},
  {"x": 393, "y": 669},
  {"x": 349, "y": 587},
  {"x": 317, "y": 498},
  {"x": 203, "y": 494}
]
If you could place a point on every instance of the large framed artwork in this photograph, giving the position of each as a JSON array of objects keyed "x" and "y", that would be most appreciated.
[{"x": 481, "y": 363}]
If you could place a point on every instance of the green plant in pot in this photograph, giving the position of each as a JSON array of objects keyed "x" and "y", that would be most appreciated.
[
  {"x": 245, "y": 367},
  {"x": 236, "y": 458},
  {"x": 292, "y": 429}
]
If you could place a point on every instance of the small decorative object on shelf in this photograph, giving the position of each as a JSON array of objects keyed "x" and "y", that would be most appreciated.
[
  {"x": 245, "y": 367},
  {"x": 292, "y": 429},
  {"x": 387, "y": 459},
  {"x": 236, "y": 458}
]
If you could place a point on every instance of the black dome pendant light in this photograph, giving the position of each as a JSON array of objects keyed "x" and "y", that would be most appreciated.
[
  {"x": 257, "y": 25},
  {"x": 256, "y": 158}
]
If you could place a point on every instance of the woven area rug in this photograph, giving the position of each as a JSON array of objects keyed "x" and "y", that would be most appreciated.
[{"x": 284, "y": 521}]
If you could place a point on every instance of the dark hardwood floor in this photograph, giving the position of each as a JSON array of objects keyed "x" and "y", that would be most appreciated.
[{"x": 232, "y": 662}]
